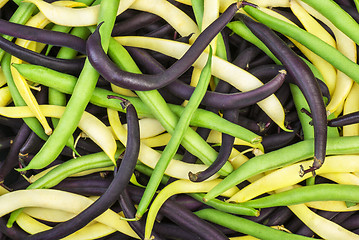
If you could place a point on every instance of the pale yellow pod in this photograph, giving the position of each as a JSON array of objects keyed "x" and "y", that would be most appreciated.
[
  {"x": 239, "y": 78},
  {"x": 2, "y": 78},
  {"x": 149, "y": 127},
  {"x": 274, "y": 180},
  {"x": 48, "y": 214},
  {"x": 351, "y": 104},
  {"x": 150, "y": 157},
  {"x": 177, "y": 187},
  {"x": 210, "y": 14},
  {"x": 320, "y": 225},
  {"x": 65, "y": 15},
  {"x": 92, "y": 126},
  {"x": 342, "y": 178},
  {"x": 311, "y": 24},
  {"x": 38, "y": 21},
  {"x": 5, "y": 96},
  {"x": 91, "y": 231}
]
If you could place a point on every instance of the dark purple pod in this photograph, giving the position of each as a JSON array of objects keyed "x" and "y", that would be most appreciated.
[{"x": 142, "y": 82}]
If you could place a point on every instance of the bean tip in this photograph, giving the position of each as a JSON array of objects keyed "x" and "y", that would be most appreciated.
[{"x": 193, "y": 176}]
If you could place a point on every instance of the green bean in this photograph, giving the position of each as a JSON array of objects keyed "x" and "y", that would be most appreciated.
[
  {"x": 21, "y": 15},
  {"x": 313, "y": 43},
  {"x": 341, "y": 19},
  {"x": 176, "y": 138},
  {"x": 197, "y": 6},
  {"x": 66, "y": 83},
  {"x": 56, "y": 97},
  {"x": 142, "y": 168},
  {"x": 246, "y": 226},
  {"x": 282, "y": 157},
  {"x": 79, "y": 98},
  {"x": 33, "y": 123},
  {"x": 317, "y": 192},
  {"x": 226, "y": 207}
]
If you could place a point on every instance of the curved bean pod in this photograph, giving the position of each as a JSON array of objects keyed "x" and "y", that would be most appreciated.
[
  {"x": 92, "y": 126},
  {"x": 113, "y": 192},
  {"x": 143, "y": 82},
  {"x": 305, "y": 80}
]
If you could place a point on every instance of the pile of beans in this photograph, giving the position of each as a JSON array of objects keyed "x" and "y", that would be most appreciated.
[{"x": 187, "y": 119}]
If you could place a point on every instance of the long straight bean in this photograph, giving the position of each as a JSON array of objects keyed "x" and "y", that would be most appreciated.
[
  {"x": 317, "y": 192},
  {"x": 246, "y": 226},
  {"x": 79, "y": 99},
  {"x": 176, "y": 138}
]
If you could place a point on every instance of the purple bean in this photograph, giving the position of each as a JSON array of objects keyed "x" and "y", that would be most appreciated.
[
  {"x": 71, "y": 66},
  {"x": 43, "y": 36},
  {"x": 101, "y": 62},
  {"x": 245, "y": 57},
  {"x": 11, "y": 159},
  {"x": 164, "y": 31},
  {"x": 279, "y": 216},
  {"x": 14, "y": 232},
  {"x": 223, "y": 154},
  {"x": 118, "y": 184},
  {"x": 172, "y": 231},
  {"x": 305, "y": 80},
  {"x": 347, "y": 119},
  {"x": 233, "y": 100},
  {"x": 351, "y": 222}
]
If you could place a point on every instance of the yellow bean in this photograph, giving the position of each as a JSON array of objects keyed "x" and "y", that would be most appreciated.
[
  {"x": 320, "y": 225},
  {"x": 351, "y": 104},
  {"x": 274, "y": 180},
  {"x": 177, "y": 187}
]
